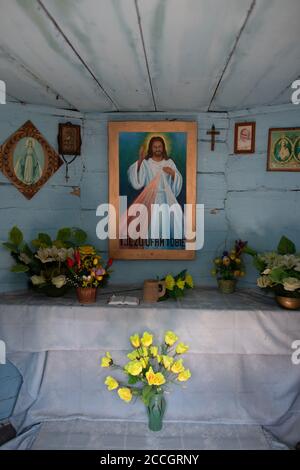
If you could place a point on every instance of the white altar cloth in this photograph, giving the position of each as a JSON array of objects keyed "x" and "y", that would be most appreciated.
[{"x": 240, "y": 358}]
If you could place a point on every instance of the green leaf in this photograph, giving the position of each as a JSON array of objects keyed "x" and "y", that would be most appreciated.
[
  {"x": 147, "y": 392},
  {"x": 80, "y": 236},
  {"x": 64, "y": 234},
  {"x": 277, "y": 275},
  {"x": 259, "y": 264},
  {"x": 19, "y": 268},
  {"x": 10, "y": 247},
  {"x": 37, "y": 243},
  {"x": 249, "y": 251},
  {"x": 286, "y": 246},
  {"x": 16, "y": 236},
  {"x": 132, "y": 379},
  {"x": 45, "y": 239}
]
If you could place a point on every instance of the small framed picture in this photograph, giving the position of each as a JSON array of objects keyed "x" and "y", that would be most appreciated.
[
  {"x": 69, "y": 139},
  {"x": 284, "y": 149},
  {"x": 244, "y": 137}
]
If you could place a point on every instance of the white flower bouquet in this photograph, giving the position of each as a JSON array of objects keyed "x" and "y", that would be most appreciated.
[{"x": 279, "y": 270}]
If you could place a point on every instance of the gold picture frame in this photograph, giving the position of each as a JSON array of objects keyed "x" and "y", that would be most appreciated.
[
  {"x": 28, "y": 160},
  {"x": 284, "y": 149}
]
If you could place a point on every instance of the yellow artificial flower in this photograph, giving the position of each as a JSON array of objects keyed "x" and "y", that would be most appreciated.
[
  {"x": 106, "y": 360},
  {"x": 237, "y": 260},
  {"x": 177, "y": 367},
  {"x": 217, "y": 261},
  {"x": 170, "y": 338},
  {"x": 237, "y": 273},
  {"x": 125, "y": 394},
  {"x": 133, "y": 355},
  {"x": 180, "y": 283},
  {"x": 134, "y": 367},
  {"x": 232, "y": 257},
  {"x": 146, "y": 339},
  {"x": 143, "y": 351},
  {"x": 87, "y": 250},
  {"x": 181, "y": 348},
  {"x": 135, "y": 340},
  {"x": 155, "y": 378},
  {"x": 144, "y": 361},
  {"x": 111, "y": 383},
  {"x": 159, "y": 358},
  {"x": 226, "y": 261},
  {"x": 184, "y": 375},
  {"x": 167, "y": 362},
  {"x": 154, "y": 351},
  {"x": 170, "y": 282},
  {"x": 95, "y": 261},
  {"x": 189, "y": 280}
]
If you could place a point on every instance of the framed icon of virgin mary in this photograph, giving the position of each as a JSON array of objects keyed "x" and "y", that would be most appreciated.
[
  {"x": 28, "y": 160},
  {"x": 152, "y": 187}
]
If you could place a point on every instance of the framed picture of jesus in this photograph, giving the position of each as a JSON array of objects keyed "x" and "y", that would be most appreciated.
[{"x": 152, "y": 189}]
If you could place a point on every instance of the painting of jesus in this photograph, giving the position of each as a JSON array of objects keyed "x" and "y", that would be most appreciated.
[{"x": 152, "y": 172}]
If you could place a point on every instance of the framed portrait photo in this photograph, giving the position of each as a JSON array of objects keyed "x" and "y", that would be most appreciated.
[
  {"x": 284, "y": 149},
  {"x": 27, "y": 160},
  {"x": 152, "y": 180},
  {"x": 244, "y": 137}
]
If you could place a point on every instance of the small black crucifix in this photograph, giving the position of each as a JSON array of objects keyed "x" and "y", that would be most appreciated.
[{"x": 213, "y": 134}]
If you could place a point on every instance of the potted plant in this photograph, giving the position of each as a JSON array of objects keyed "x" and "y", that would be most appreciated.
[
  {"x": 280, "y": 272},
  {"x": 87, "y": 272},
  {"x": 44, "y": 259},
  {"x": 149, "y": 372},
  {"x": 229, "y": 267}
]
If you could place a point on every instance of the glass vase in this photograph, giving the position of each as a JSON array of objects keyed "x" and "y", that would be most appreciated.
[{"x": 155, "y": 411}]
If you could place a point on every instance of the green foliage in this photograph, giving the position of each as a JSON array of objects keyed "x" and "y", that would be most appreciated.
[
  {"x": 132, "y": 379},
  {"x": 259, "y": 264},
  {"x": 19, "y": 268},
  {"x": 16, "y": 236},
  {"x": 286, "y": 247},
  {"x": 45, "y": 239},
  {"x": 79, "y": 236},
  {"x": 277, "y": 275},
  {"x": 64, "y": 234},
  {"x": 147, "y": 392},
  {"x": 11, "y": 247}
]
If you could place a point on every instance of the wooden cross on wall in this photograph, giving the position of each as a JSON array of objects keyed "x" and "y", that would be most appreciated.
[{"x": 213, "y": 134}]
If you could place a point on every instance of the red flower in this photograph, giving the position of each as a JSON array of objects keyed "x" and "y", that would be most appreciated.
[
  {"x": 70, "y": 262},
  {"x": 77, "y": 257},
  {"x": 109, "y": 262}
]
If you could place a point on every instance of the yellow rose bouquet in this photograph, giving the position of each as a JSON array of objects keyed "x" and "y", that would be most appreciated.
[{"x": 149, "y": 371}]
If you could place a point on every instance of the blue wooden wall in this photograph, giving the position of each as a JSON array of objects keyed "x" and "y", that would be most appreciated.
[{"x": 241, "y": 199}]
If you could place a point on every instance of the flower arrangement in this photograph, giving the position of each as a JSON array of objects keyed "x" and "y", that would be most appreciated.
[
  {"x": 149, "y": 371},
  {"x": 230, "y": 265},
  {"x": 44, "y": 259},
  {"x": 86, "y": 269},
  {"x": 279, "y": 270},
  {"x": 176, "y": 285}
]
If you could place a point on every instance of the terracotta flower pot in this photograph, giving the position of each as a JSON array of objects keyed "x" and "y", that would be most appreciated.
[
  {"x": 86, "y": 295},
  {"x": 227, "y": 286},
  {"x": 291, "y": 303}
]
